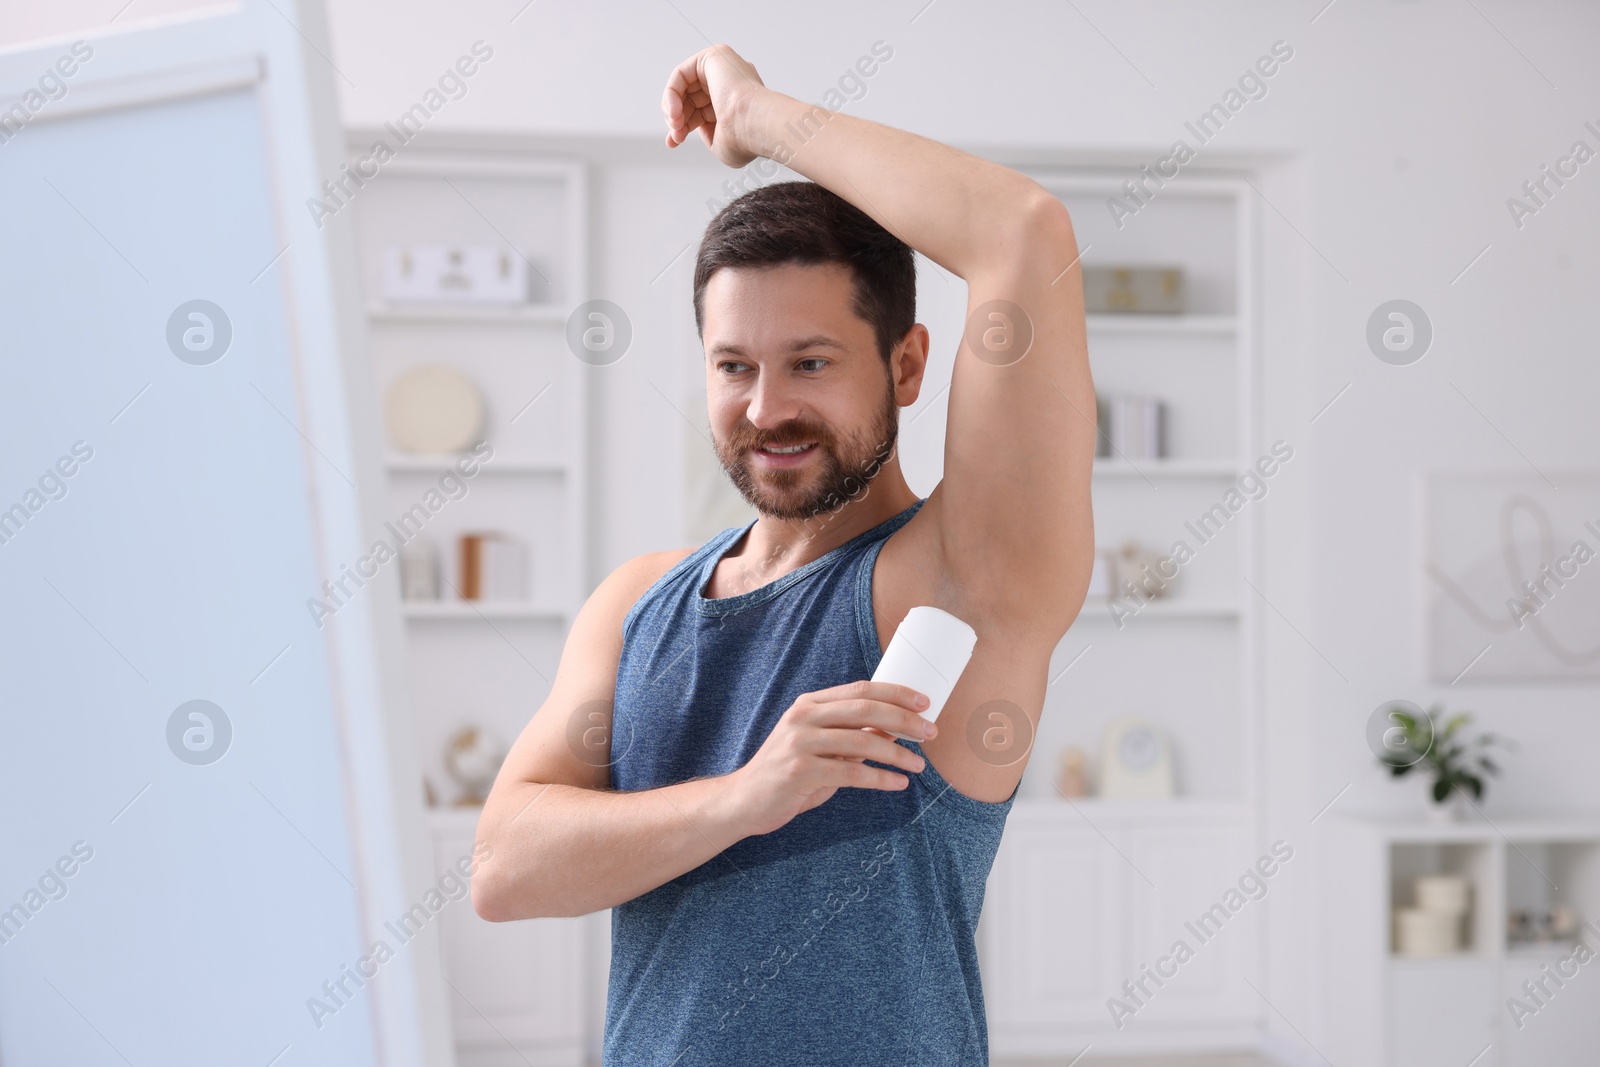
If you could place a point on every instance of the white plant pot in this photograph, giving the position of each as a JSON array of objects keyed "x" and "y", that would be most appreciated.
[{"x": 1453, "y": 809}]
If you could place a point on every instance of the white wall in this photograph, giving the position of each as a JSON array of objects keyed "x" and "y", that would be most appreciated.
[{"x": 1388, "y": 146}]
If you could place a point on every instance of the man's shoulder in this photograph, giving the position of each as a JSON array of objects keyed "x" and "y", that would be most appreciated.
[
  {"x": 641, "y": 572},
  {"x": 622, "y": 588}
]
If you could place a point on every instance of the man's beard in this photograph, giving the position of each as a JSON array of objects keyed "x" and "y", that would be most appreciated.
[{"x": 846, "y": 467}]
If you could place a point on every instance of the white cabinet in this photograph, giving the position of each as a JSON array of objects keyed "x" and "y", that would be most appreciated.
[
  {"x": 1443, "y": 1014},
  {"x": 516, "y": 988},
  {"x": 1191, "y": 870},
  {"x": 1564, "y": 1018},
  {"x": 1084, "y": 897},
  {"x": 1392, "y": 1010},
  {"x": 1053, "y": 929}
]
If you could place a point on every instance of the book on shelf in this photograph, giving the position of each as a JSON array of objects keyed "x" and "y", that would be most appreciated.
[
  {"x": 494, "y": 566},
  {"x": 1138, "y": 427}
]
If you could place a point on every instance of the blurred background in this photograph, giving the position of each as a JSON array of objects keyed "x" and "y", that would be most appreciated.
[{"x": 348, "y": 345}]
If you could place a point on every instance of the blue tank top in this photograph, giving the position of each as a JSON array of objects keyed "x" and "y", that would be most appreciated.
[{"x": 846, "y": 936}]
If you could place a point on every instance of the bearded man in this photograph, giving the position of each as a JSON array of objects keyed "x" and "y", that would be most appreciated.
[{"x": 790, "y": 882}]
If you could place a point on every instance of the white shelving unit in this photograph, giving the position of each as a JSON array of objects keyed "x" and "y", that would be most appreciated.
[
  {"x": 1446, "y": 1011},
  {"x": 1084, "y": 894},
  {"x": 518, "y": 989}
]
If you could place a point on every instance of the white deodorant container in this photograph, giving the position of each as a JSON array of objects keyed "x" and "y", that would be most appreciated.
[{"x": 928, "y": 653}]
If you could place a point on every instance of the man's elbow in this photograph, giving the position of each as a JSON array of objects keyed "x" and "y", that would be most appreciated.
[
  {"x": 1040, "y": 240},
  {"x": 488, "y": 897},
  {"x": 497, "y": 897},
  {"x": 1047, "y": 219}
]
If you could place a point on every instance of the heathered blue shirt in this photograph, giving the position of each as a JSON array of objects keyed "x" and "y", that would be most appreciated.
[{"x": 847, "y": 935}]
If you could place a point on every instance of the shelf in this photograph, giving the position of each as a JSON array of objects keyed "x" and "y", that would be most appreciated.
[
  {"x": 440, "y": 464},
  {"x": 501, "y": 313},
  {"x": 1097, "y": 610},
  {"x": 1443, "y": 958},
  {"x": 1148, "y": 323},
  {"x": 1548, "y": 950},
  {"x": 1073, "y": 812},
  {"x": 478, "y": 610},
  {"x": 1522, "y": 827},
  {"x": 1165, "y": 468}
]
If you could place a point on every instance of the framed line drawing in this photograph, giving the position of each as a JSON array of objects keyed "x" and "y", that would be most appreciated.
[{"x": 1511, "y": 576}]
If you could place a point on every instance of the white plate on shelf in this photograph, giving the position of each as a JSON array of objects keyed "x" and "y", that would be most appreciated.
[{"x": 434, "y": 409}]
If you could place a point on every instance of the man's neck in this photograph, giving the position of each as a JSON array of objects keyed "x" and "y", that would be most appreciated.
[{"x": 774, "y": 547}]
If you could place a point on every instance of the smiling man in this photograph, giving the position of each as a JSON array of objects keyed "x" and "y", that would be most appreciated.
[{"x": 790, "y": 884}]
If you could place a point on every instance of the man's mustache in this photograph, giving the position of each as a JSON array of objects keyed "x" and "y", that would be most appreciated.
[{"x": 793, "y": 432}]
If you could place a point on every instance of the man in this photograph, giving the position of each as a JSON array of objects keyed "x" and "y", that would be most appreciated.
[{"x": 790, "y": 883}]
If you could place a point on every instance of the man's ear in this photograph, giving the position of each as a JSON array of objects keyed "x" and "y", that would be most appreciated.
[{"x": 907, "y": 363}]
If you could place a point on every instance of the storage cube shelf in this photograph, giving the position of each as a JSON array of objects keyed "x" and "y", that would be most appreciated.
[
  {"x": 1472, "y": 1005},
  {"x": 1472, "y": 860}
]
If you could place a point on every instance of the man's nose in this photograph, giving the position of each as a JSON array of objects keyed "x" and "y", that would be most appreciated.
[{"x": 772, "y": 403}]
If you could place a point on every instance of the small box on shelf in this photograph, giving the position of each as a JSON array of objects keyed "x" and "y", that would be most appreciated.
[
  {"x": 1133, "y": 289},
  {"x": 457, "y": 274}
]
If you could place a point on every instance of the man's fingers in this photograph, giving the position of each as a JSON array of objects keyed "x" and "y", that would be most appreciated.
[
  {"x": 875, "y": 732},
  {"x": 686, "y": 101},
  {"x": 888, "y": 692},
  {"x": 851, "y": 744}
]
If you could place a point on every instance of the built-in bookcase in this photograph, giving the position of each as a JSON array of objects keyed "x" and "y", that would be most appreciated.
[
  {"x": 1086, "y": 892},
  {"x": 517, "y": 989}
]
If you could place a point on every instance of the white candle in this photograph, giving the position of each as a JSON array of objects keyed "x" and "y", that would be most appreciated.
[{"x": 928, "y": 653}]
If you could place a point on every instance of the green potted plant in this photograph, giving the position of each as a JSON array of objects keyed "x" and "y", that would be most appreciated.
[{"x": 1458, "y": 763}]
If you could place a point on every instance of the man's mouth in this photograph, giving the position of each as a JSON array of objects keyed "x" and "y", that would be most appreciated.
[{"x": 784, "y": 455}]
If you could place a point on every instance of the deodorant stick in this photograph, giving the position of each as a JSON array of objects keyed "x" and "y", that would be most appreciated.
[{"x": 928, "y": 653}]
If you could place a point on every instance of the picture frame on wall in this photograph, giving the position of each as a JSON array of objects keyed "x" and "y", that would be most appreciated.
[{"x": 1511, "y": 576}]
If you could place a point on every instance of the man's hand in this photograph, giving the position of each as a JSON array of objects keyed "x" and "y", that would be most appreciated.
[
  {"x": 821, "y": 743},
  {"x": 709, "y": 91}
]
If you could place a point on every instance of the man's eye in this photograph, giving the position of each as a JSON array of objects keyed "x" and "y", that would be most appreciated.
[
  {"x": 729, "y": 366},
  {"x": 813, "y": 364}
]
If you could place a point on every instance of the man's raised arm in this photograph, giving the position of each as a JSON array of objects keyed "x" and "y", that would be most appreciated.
[{"x": 1012, "y": 513}]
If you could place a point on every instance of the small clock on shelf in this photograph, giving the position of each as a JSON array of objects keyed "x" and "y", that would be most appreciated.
[{"x": 1137, "y": 761}]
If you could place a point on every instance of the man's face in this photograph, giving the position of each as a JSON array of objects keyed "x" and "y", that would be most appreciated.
[{"x": 803, "y": 408}]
